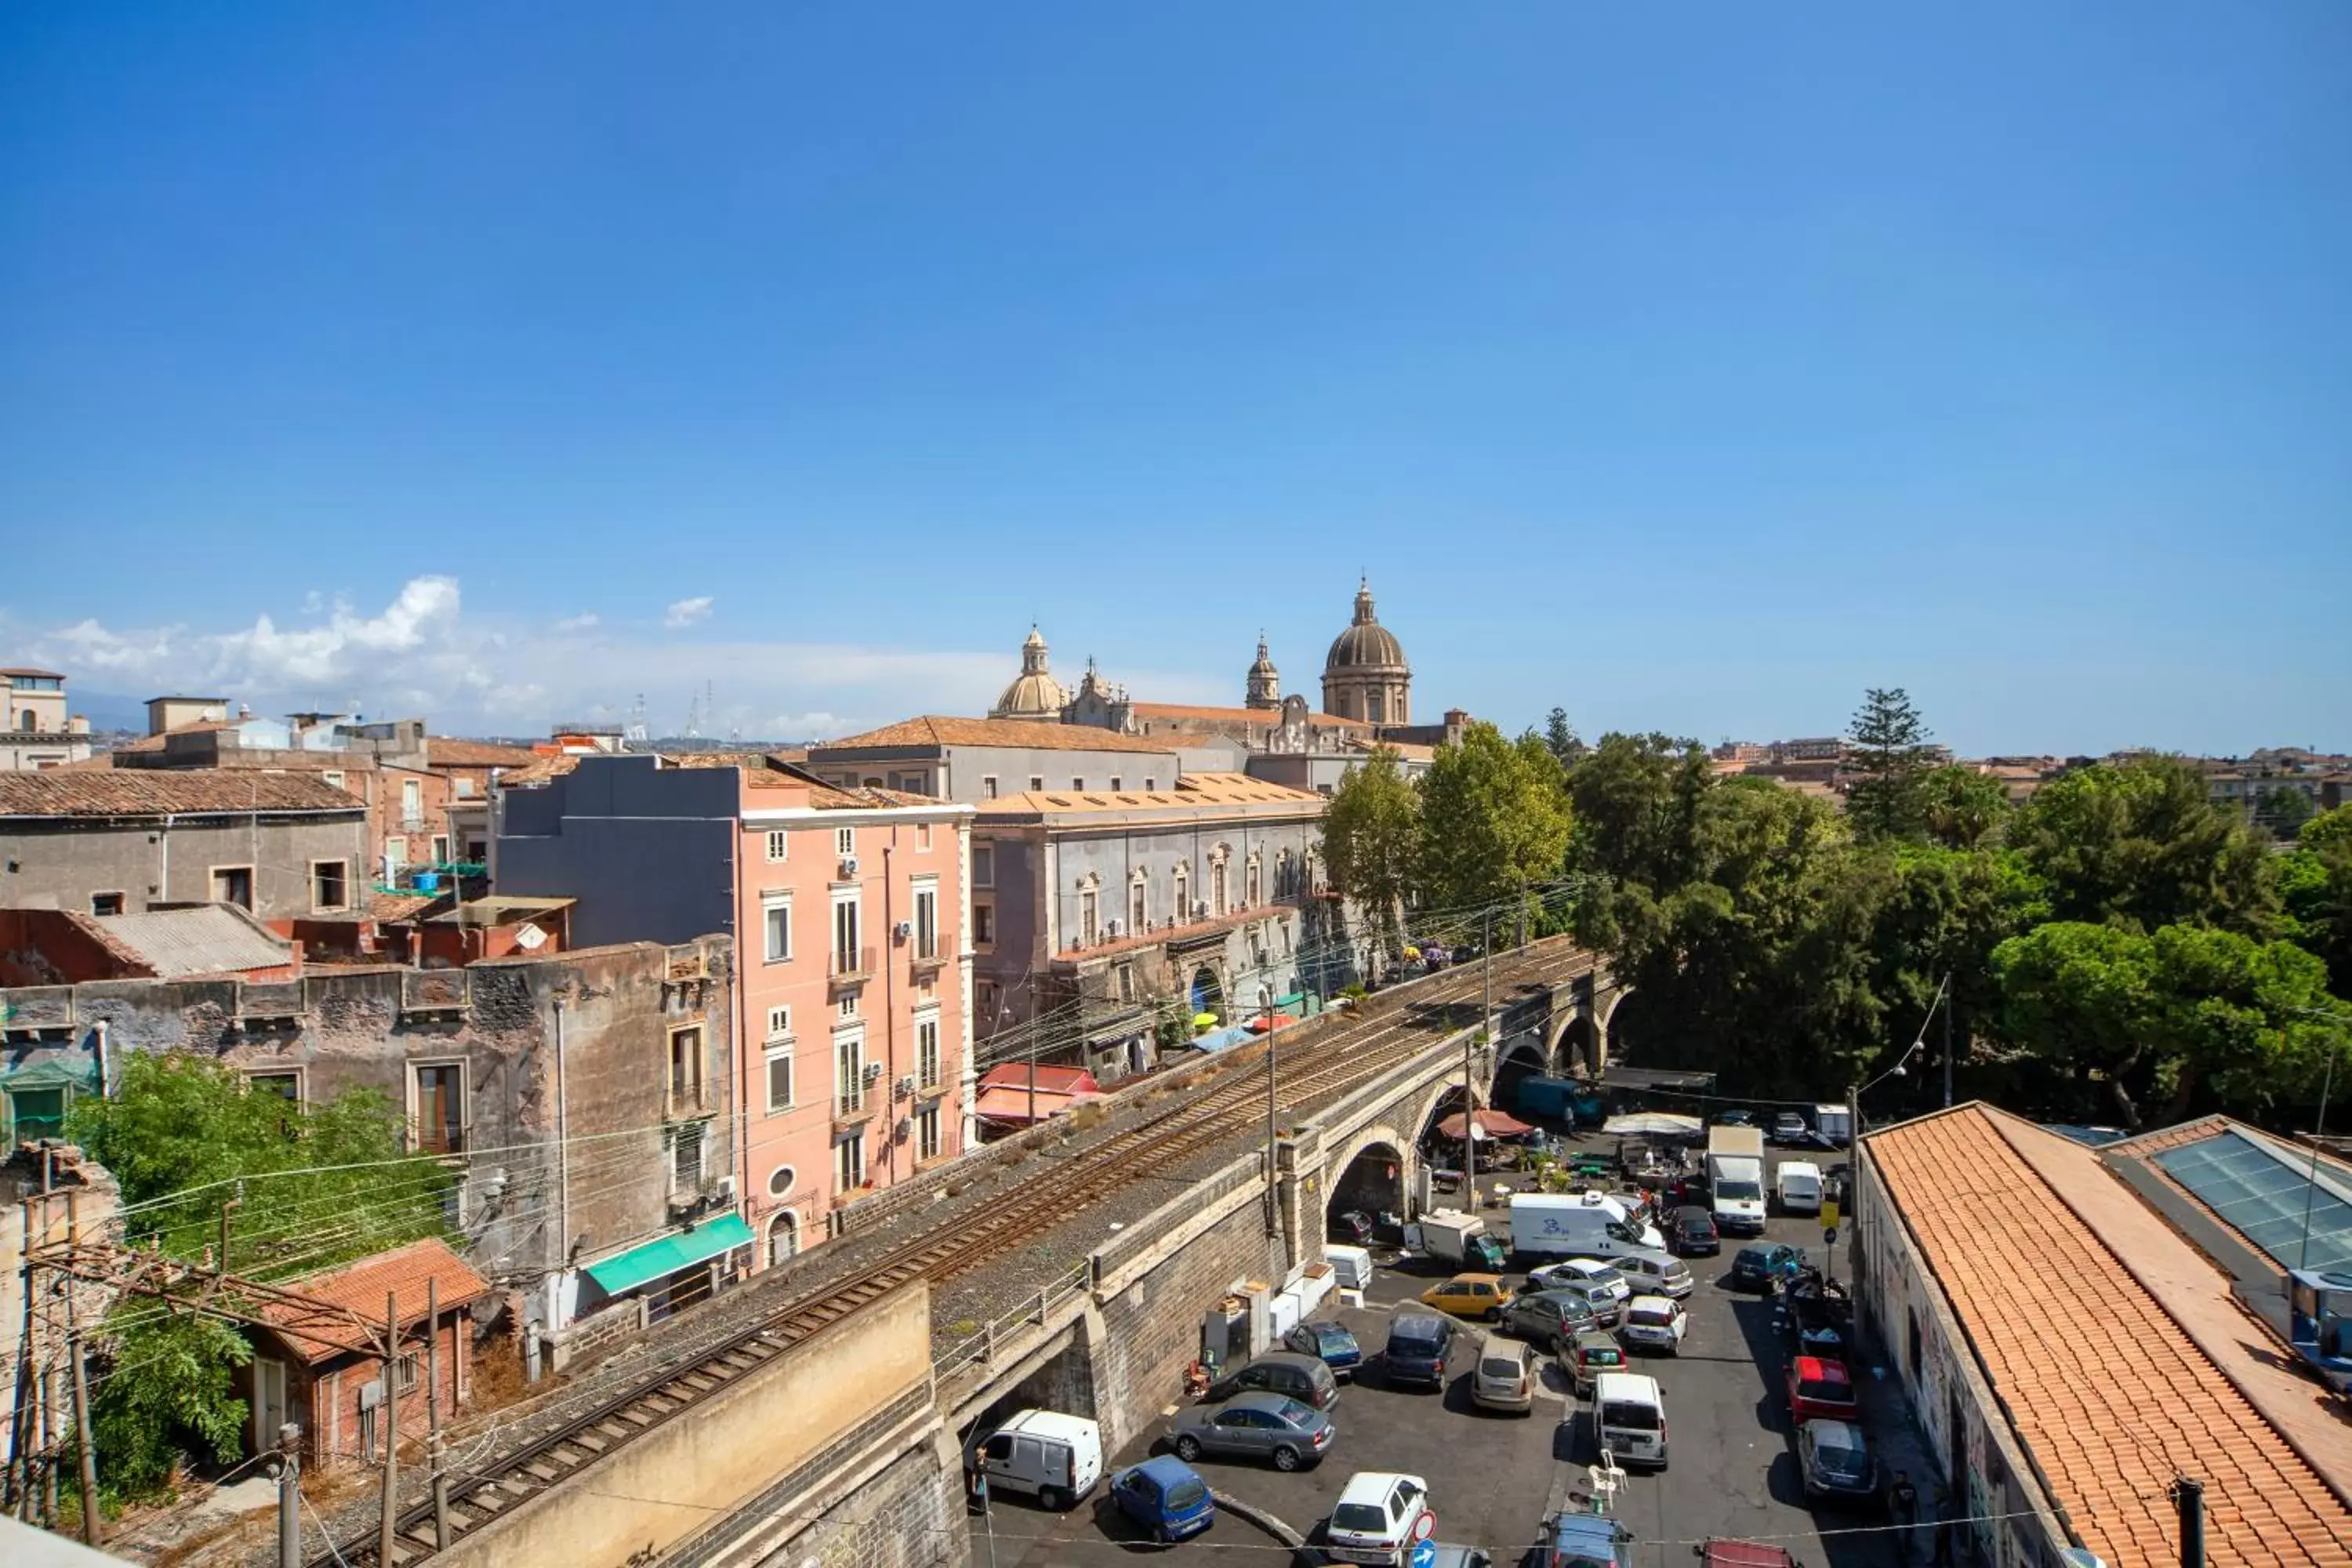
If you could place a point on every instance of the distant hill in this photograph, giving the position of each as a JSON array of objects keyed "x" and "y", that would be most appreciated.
[{"x": 105, "y": 710}]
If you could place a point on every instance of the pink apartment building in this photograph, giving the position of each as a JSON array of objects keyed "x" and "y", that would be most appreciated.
[{"x": 853, "y": 984}]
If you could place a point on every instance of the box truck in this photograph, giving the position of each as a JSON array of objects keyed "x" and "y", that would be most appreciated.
[
  {"x": 1578, "y": 1225},
  {"x": 1458, "y": 1239},
  {"x": 1734, "y": 1179}
]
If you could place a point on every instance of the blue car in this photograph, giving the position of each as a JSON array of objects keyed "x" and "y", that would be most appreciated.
[
  {"x": 1165, "y": 1496},
  {"x": 1765, "y": 1264},
  {"x": 1330, "y": 1343}
]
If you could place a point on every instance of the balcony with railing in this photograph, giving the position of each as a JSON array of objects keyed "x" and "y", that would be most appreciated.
[
  {"x": 849, "y": 966},
  {"x": 929, "y": 957},
  {"x": 689, "y": 1099},
  {"x": 853, "y": 1106}
]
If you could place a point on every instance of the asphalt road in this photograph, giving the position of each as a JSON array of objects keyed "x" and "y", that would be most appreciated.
[{"x": 1733, "y": 1471}]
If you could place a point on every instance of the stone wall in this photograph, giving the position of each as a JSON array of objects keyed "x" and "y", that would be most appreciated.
[{"x": 60, "y": 863}]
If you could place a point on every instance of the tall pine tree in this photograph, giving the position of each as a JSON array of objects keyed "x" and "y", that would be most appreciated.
[{"x": 1891, "y": 759}]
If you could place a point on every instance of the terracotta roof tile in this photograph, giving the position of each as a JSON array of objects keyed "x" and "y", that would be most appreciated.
[
  {"x": 1258, "y": 717},
  {"x": 360, "y": 1287},
  {"x": 933, "y": 730},
  {"x": 138, "y": 792},
  {"x": 448, "y": 752},
  {"x": 2109, "y": 1390},
  {"x": 155, "y": 742},
  {"x": 1194, "y": 792}
]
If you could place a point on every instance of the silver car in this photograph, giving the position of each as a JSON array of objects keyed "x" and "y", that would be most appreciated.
[
  {"x": 1271, "y": 1426},
  {"x": 1505, "y": 1378}
]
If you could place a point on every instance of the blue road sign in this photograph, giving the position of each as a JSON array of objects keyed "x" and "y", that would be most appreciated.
[{"x": 1424, "y": 1553}]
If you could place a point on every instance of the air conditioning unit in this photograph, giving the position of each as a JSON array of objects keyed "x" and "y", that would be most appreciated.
[
  {"x": 848, "y": 867},
  {"x": 874, "y": 1072},
  {"x": 903, "y": 930},
  {"x": 1201, "y": 910},
  {"x": 723, "y": 1189},
  {"x": 906, "y": 1087}
]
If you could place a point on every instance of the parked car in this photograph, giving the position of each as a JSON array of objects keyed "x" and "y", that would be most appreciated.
[
  {"x": 1629, "y": 1417},
  {"x": 1505, "y": 1378},
  {"x": 1735, "y": 1118},
  {"x": 1656, "y": 1273},
  {"x": 1352, "y": 1228},
  {"x": 1470, "y": 1296},
  {"x": 1654, "y": 1323},
  {"x": 1693, "y": 1232},
  {"x": 1836, "y": 1462},
  {"x": 1378, "y": 1517},
  {"x": 1765, "y": 1264},
  {"x": 1419, "y": 1346},
  {"x": 1588, "y": 1355},
  {"x": 1270, "y": 1426},
  {"x": 1588, "y": 1271},
  {"x": 1598, "y": 1299},
  {"x": 1302, "y": 1377},
  {"x": 1790, "y": 1127},
  {"x": 1715, "y": 1553},
  {"x": 1449, "y": 1556},
  {"x": 1820, "y": 1389},
  {"x": 1548, "y": 1316},
  {"x": 1329, "y": 1342},
  {"x": 1586, "y": 1540},
  {"x": 1166, "y": 1496}
]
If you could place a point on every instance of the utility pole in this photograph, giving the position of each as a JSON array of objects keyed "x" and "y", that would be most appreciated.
[
  {"x": 90, "y": 1533},
  {"x": 290, "y": 1497},
  {"x": 2311, "y": 1182},
  {"x": 1947, "y": 1053},
  {"x": 22, "y": 1415},
  {"x": 1469, "y": 1070},
  {"x": 433, "y": 1411},
  {"x": 391, "y": 1514},
  {"x": 1273, "y": 1133},
  {"x": 2188, "y": 1495}
]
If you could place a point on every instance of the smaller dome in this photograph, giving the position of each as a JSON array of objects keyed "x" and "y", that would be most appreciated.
[
  {"x": 1264, "y": 686},
  {"x": 1034, "y": 693}
]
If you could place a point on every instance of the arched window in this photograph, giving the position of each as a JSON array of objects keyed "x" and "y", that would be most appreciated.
[
  {"x": 1090, "y": 909},
  {"x": 784, "y": 1237},
  {"x": 1252, "y": 884},
  {"x": 1219, "y": 891},
  {"x": 1139, "y": 902},
  {"x": 1183, "y": 893},
  {"x": 28, "y": 720}
]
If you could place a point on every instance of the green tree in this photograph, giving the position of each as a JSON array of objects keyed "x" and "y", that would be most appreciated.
[
  {"x": 1890, "y": 759},
  {"x": 320, "y": 1185},
  {"x": 1494, "y": 818},
  {"x": 2329, "y": 827},
  {"x": 2161, "y": 1023},
  {"x": 2140, "y": 843},
  {"x": 2314, "y": 883},
  {"x": 1636, "y": 801},
  {"x": 1561, "y": 738},
  {"x": 1961, "y": 808},
  {"x": 1371, "y": 840},
  {"x": 2284, "y": 810}
]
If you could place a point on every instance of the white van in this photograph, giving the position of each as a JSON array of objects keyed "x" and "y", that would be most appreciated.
[
  {"x": 1654, "y": 1273},
  {"x": 1351, "y": 1266},
  {"x": 1797, "y": 1184},
  {"x": 1578, "y": 1225},
  {"x": 1629, "y": 1417},
  {"x": 1054, "y": 1458}
]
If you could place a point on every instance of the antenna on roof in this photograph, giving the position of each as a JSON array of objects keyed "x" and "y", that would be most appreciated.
[{"x": 634, "y": 738}]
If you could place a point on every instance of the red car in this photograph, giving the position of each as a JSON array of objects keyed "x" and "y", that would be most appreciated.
[{"x": 1820, "y": 1389}]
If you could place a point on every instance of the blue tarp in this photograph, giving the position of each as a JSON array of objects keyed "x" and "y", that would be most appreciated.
[{"x": 1220, "y": 1039}]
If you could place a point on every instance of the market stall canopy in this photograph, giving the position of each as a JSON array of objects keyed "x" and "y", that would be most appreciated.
[
  {"x": 1653, "y": 1124},
  {"x": 1258, "y": 1025},
  {"x": 1491, "y": 1124}
]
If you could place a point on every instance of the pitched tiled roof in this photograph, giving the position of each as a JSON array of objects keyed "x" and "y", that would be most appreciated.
[
  {"x": 138, "y": 791},
  {"x": 935, "y": 730},
  {"x": 360, "y": 1288},
  {"x": 448, "y": 752},
  {"x": 155, "y": 742},
  {"x": 1254, "y": 716},
  {"x": 2048, "y": 1263},
  {"x": 1196, "y": 791}
]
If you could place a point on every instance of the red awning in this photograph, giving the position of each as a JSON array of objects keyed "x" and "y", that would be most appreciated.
[
  {"x": 1258, "y": 1025},
  {"x": 1491, "y": 1124}
]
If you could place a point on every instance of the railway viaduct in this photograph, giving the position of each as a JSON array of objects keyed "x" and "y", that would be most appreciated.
[{"x": 835, "y": 1435}]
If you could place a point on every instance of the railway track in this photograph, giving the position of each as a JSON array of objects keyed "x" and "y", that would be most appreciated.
[{"x": 1394, "y": 1030}]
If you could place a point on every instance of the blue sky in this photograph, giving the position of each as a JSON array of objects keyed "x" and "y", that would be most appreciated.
[{"x": 1691, "y": 371}]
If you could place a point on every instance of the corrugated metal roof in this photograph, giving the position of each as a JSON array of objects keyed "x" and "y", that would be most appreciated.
[{"x": 217, "y": 939}]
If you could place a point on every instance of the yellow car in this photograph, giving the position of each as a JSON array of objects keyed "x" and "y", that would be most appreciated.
[{"x": 1470, "y": 1296}]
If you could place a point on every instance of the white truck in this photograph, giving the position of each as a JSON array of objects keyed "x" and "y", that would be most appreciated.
[
  {"x": 1578, "y": 1225},
  {"x": 1833, "y": 1125},
  {"x": 1735, "y": 1179},
  {"x": 1457, "y": 1238}
]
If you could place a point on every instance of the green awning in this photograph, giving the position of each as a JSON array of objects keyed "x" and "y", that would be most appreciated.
[{"x": 670, "y": 1254}]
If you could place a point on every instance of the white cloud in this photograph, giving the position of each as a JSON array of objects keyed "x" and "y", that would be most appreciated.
[
  {"x": 687, "y": 612},
  {"x": 427, "y": 655}
]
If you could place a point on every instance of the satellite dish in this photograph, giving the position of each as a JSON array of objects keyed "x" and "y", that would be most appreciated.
[{"x": 530, "y": 938}]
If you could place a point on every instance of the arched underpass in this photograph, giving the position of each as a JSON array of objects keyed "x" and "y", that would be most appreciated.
[{"x": 1372, "y": 1183}]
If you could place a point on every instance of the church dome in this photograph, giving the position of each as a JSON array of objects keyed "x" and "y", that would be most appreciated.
[
  {"x": 1264, "y": 686},
  {"x": 1034, "y": 693},
  {"x": 1366, "y": 644}
]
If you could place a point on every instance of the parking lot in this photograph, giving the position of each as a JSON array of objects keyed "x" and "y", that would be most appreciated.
[{"x": 1491, "y": 1477}]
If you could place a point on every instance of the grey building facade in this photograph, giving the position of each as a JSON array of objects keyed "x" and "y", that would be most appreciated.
[
  {"x": 647, "y": 849},
  {"x": 1100, "y": 920},
  {"x": 980, "y": 759},
  {"x": 281, "y": 845}
]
